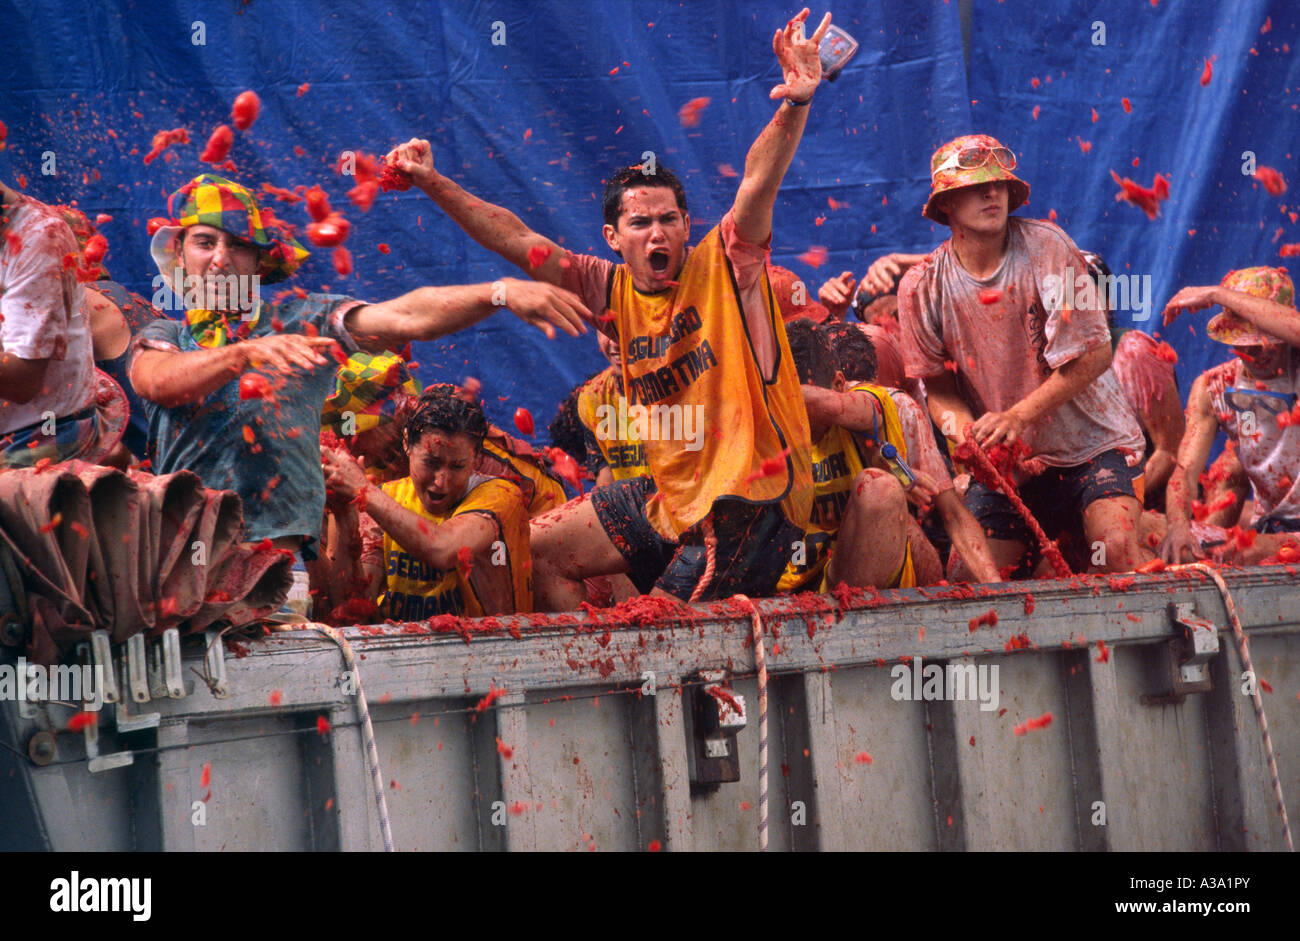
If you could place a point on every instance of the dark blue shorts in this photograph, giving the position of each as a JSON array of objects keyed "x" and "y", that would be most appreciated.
[
  {"x": 1057, "y": 498},
  {"x": 1275, "y": 525},
  {"x": 755, "y": 541}
]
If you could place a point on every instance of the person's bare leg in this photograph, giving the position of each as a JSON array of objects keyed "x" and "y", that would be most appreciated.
[
  {"x": 569, "y": 544},
  {"x": 925, "y": 557},
  {"x": 1115, "y": 522},
  {"x": 1007, "y": 555},
  {"x": 873, "y": 532}
]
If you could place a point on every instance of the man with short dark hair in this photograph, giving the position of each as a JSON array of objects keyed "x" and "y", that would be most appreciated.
[{"x": 701, "y": 344}]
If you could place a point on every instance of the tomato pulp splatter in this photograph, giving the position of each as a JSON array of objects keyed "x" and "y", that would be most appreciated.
[
  {"x": 218, "y": 144},
  {"x": 245, "y": 110},
  {"x": 1148, "y": 200}
]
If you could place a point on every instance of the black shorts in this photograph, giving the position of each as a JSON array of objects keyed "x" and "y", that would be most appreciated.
[
  {"x": 1276, "y": 525},
  {"x": 1057, "y": 498},
  {"x": 755, "y": 541}
]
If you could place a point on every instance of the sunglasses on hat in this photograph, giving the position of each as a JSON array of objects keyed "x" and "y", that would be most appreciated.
[{"x": 972, "y": 158}]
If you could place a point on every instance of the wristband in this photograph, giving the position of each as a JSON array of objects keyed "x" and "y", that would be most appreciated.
[{"x": 798, "y": 104}]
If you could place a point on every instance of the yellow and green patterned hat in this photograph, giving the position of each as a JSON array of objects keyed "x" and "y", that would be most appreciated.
[
  {"x": 223, "y": 204},
  {"x": 970, "y": 161},
  {"x": 1272, "y": 284},
  {"x": 370, "y": 386}
]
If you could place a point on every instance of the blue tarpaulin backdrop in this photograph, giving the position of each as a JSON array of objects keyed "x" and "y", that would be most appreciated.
[{"x": 578, "y": 89}]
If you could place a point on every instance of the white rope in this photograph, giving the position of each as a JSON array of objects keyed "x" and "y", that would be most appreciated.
[
  {"x": 1256, "y": 698},
  {"x": 760, "y": 660},
  {"x": 367, "y": 733}
]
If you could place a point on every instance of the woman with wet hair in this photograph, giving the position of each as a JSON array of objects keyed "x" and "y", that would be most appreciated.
[{"x": 451, "y": 541}]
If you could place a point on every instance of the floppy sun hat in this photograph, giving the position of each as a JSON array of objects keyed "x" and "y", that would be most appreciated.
[
  {"x": 970, "y": 161},
  {"x": 1272, "y": 284},
  {"x": 223, "y": 204}
]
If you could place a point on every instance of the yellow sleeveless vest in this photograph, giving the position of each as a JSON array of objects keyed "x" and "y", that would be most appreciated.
[
  {"x": 837, "y": 460},
  {"x": 688, "y": 361},
  {"x": 415, "y": 591},
  {"x": 600, "y": 407}
]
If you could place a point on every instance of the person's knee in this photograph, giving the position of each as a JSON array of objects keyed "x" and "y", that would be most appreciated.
[{"x": 877, "y": 493}]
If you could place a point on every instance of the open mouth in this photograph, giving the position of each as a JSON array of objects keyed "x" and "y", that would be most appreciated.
[{"x": 659, "y": 261}]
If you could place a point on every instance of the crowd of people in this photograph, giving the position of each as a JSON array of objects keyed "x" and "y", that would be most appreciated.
[{"x": 749, "y": 435}]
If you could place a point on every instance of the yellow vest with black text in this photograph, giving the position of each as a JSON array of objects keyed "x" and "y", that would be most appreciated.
[
  {"x": 837, "y": 459},
  {"x": 416, "y": 591},
  {"x": 688, "y": 347},
  {"x": 601, "y": 402}
]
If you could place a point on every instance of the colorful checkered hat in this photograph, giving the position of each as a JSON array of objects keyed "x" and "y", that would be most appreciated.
[
  {"x": 1272, "y": 284},
  {"x": 370, "y": 386},
  {"x": 954, "y": 178},
  {"x": 223, "y": 204}
]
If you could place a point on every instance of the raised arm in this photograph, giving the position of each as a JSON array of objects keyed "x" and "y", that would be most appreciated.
[
  {"x": 771, "y": 154},
  {"x": 1269, "y": 316},
  {"x": 495, "y": 228},
  {"x": 431, "y": 312},
  {"x": 1192, "y": 457}
]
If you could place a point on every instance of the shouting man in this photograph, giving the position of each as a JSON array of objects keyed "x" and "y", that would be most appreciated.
[{"x": 699, "y": 338}]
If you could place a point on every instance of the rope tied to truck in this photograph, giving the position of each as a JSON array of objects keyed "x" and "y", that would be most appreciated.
[
  {"x": 367, "y": 732},
  {"x": 760, "y": 662},
  {"x": 1256, "y": 699}
]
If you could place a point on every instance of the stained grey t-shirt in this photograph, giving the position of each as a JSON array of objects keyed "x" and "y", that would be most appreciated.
[{"x": 278, "y": 476}]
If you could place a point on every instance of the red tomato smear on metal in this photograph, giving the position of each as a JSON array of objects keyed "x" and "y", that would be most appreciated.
[
  {"x": 725, "y": 697},
  {"x": 1038, "y": 722},
  {"x": 493, "y": 694}
]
